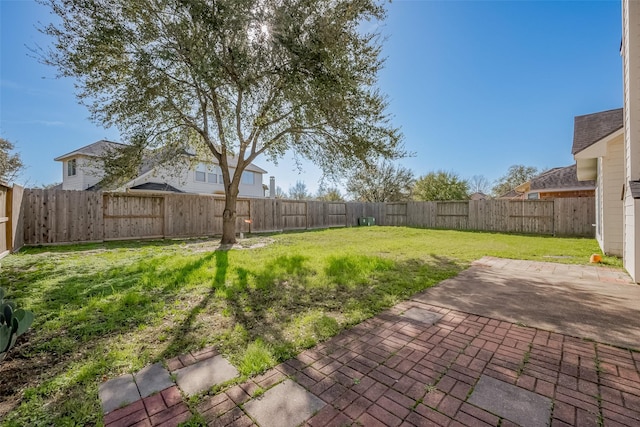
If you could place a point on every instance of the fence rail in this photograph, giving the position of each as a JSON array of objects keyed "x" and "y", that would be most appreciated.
[{"x": 56, "y": 216}]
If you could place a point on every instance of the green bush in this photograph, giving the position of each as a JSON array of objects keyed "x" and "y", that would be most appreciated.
[{"x": 13, "y": 323}]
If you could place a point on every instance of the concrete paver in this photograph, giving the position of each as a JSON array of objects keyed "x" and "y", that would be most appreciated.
[
  {"x": 202, "y": 375},
  {"x": 422, "y": 315},
  {"x": 152, "y": 379},
  {"x": 285, "y": 405},
  {"x": 118, "y": 392},
  {"x": 513, "y": 403}
]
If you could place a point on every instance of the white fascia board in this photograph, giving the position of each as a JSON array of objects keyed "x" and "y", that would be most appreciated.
[{"x": 561, "y": 190}]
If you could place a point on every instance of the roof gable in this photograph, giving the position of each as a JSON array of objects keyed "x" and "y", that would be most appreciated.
[
  {"x": 591, "y": 128},
  {"x": 92, "y": 150}
]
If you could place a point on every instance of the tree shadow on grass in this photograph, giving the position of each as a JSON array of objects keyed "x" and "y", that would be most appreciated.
[
  {"x": 290, "y": 302},
  {"x": 284, "y": 305},
  {"x": 75, "y": 318},
  {"x": 180, "y": 338}
]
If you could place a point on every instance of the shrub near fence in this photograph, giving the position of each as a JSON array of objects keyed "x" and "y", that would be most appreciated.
[{"x": 56, "y": 216}]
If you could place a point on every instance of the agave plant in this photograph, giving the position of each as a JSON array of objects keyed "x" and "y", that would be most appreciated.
[{"x": 13, "y": 323}]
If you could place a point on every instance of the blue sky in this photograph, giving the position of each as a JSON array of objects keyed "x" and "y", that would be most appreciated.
[{"x": 476, "y": 86}]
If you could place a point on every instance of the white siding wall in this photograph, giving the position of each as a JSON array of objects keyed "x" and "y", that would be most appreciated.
[
  {"x": 611, "y": 180},
  {"x": 184, "y": 179},
  {"x": 86, "y": 174},
  {"x": 631, "y": 70}
]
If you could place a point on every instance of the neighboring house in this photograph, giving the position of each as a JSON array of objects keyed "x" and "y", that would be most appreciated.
[
  {"x": 513, "y": 194},
  {"x": 478, "y": 196},
  {"x": 552, "y": 184},
  {"x": 81, "y": 170},
  {"x": 556, "y": 183},
  {"x": 598, "y": 147}
]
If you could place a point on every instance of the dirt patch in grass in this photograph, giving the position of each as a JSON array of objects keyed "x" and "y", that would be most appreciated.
[
  {"x": 254, "y": 242},
  {"x": 19, "y": 372}
]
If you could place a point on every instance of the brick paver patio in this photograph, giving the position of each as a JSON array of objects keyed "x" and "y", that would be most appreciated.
[{"x": 421, "y": 365}]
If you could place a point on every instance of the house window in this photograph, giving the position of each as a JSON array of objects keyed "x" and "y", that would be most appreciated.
[
  {"x": 71, "y": 167},
  {"x": 207, "y": 173},
  {"x": 533, "y": 196},
  {"x": 247, "y": 178},
  {"x": 201, "y": 174}
]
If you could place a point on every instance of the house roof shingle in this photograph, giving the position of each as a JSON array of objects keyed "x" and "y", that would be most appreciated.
[
  {"x": 93, "y": 150},
  {"x": 149, "y": 161},
  {"x": 591, "y": 128},
  {"x": 511, "y": 194},
  {"x": 557, "y": 178},
  {"x": 156, "y": 186}
]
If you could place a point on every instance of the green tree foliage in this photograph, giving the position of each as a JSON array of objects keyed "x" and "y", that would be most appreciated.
[
  {"x": 441, "y": 185},
  {"x": 381, "y": 183},
  {"x": 330, "y": 194},
  {"x": 516, "y": 175},
  {"x": 231, "y": 78},
  {"x": 299, "y": 191},
  {"x": 10, "y": 163}
]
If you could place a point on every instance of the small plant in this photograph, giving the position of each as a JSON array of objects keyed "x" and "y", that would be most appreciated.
[
  {"x": 258, "y": 392},
  {"x": 430, "y": 388},
  {"x": 13, "y": 323}
]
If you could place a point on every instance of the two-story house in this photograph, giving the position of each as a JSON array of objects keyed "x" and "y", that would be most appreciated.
[{"x": 81, "y": 170}]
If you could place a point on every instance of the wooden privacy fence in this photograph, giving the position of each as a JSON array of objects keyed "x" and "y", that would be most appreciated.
[
  {"x": 10, "y": 218},
  {"x": 55, "y": 216}
]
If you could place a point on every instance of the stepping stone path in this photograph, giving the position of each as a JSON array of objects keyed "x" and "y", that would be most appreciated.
[
  {"x": 202, "y": 375},
  {"x": 516, "y": 404},
  {"x": 150, "y": 397},
  {"x": 416, "y": 364},
  {"x": 285, "y": 405}
]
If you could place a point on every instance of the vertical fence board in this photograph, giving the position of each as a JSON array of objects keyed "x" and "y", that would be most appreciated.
[
  {"x": 294, "y": 215},
  {"x": 266, "y": 215},
  {"x": 336, "y": 214},
  {"x": 452, "y": 215},
  {"x": 17, "y": 217},
  {"x": 5, "y": 220},
  {"x": 574, "y": 216}
]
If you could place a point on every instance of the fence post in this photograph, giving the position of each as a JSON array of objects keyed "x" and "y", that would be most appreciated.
[
  {"x": 9, "y": 215},
  {"x": 553, "y": 218},
  {"x": 165, "y": 208}
]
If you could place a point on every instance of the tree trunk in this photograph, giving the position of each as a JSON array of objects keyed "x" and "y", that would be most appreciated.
[{"x": 229, "y": 220}]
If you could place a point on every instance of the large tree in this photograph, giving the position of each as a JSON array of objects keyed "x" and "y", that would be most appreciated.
[
  {"x": 329, "y": 194},
  {"x": 232, "y": 78},
  {"x": 383, "y": 182},
  {"x": 299, "y": 191},
  {"x": 516, "y": 175},
  {"x": 441, "y": 185},
  {"x": 479, "y": 184},
  {"x": 10, "y": 162}
]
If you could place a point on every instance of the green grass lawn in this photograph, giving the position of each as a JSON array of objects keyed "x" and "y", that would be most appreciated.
[{"x": 107, "y": 309}]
